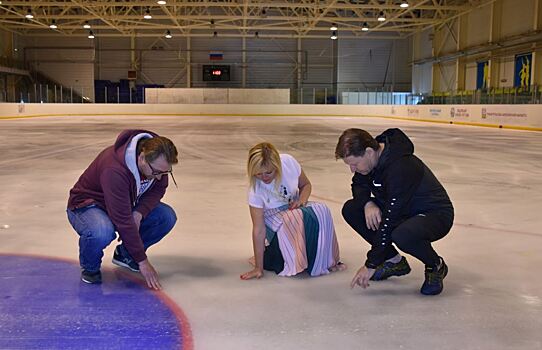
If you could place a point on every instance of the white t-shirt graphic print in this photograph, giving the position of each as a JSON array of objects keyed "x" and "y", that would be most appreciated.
[{"x": 269, "y": 196}]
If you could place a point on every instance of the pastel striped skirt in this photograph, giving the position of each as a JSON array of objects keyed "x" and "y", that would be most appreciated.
[{"x": 300, "y": 239}]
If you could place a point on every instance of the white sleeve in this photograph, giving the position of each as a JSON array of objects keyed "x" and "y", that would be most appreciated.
[
  {"x": 291, "y": 165},
  {"x": 255, "y": 200}
]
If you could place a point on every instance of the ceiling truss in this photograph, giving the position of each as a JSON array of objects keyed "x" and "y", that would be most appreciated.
[{"x": 230, "y": 18}]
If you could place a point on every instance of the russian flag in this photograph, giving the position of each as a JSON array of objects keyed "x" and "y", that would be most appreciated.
[{"x": 216, "y": 55}]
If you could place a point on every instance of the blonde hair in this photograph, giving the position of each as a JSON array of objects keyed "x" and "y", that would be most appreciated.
[{"x": 263, "y": 155}]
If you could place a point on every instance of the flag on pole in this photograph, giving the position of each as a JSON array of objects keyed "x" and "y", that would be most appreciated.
[{"x": 216, "y": 55}]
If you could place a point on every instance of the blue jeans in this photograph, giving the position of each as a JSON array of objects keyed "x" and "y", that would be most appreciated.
[{"x": 96, "y": 231}]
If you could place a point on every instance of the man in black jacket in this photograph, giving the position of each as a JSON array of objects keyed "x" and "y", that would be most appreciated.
[{"x": 396, "y": 199}]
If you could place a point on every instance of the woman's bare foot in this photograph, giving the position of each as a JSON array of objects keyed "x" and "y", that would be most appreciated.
[
  {"x": 339, "y": 267},
  {"x": 252, "y": 261}
]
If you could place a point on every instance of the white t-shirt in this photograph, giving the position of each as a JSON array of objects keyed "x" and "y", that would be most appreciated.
[{"x": 268, "y": 196}]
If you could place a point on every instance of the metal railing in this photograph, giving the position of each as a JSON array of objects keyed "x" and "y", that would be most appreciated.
[
  {"x": 505, "y": 95},
  {"x": 45, "y": 93}
]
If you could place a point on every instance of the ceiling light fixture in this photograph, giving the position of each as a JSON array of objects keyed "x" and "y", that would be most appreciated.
[
  {"x": 161, "y": 2},
  {"x": 147, "y": 14},
  {"x": 168, "y": 35},
  {"x": 29, "y": 14},
  {"x": 381, "y": 16},
  {"x": 333, "y": 27},
  {"x": 404, "y": 4},
  {"x": 90, "y": 34},
  {"x": 365, "y": 27},
  {"x": 334, "y": 35},
  {"x": 86, "y": 25},
  {"x": 53, "y": 24}
]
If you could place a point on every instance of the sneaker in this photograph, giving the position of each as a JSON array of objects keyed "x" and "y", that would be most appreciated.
[
  {"x": 433, "y": 279},
  {"x": 91, "y": 277},
  {"x": 388, "y": 269},
  {"x": 124, "y": 261}
]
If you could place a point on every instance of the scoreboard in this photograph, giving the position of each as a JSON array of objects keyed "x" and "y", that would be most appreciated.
[{"x": 216, "y": 73}]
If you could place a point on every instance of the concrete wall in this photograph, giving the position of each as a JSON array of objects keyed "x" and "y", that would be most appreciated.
[
  {"x": 452, "y": 50},
  {"x": 374, "y": 65},
  {"x": 527, "y": 117},
  {"x": 218, "y": 96},
  {"x": 422, "y": 75},
  {"x": 70, "y": 64}
]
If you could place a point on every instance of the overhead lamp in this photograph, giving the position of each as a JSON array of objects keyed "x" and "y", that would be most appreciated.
[
  {"x": 53, "y": 24},
  {"x": 404, "y": 4},
  {"x": 334, "y": 35},
  {"x": 161, "y": 2},
  {"x": 333, "y": 27},
  {"x": 168, "y": 35},
  {"x": 90, "y": 34},
  {"x": 29, "y": 14},
  {"x": 215, "y": 34},
  {"x": 381, "y": 16},
  {"x": 147, "y": 14},
  {"x": 256, "y": 35},
  {"x": 365, "y": 27},
  {"x": 0, "y": 2},
  {"x": 86, "y": 25}
]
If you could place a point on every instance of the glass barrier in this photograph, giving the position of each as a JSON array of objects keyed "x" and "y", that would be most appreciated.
[{"x": 47, "y": 93}]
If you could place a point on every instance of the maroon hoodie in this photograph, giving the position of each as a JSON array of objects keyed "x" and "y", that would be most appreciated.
[{"x": 109, "y": 184}]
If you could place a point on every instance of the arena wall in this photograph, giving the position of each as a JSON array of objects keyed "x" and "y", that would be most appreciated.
[{"x": 527, "y": 117}]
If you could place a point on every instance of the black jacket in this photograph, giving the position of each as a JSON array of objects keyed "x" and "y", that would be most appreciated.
[{"x": 402, "y": 186}]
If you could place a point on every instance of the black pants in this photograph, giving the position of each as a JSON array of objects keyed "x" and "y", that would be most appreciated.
[{"x": 413, "y": 236}]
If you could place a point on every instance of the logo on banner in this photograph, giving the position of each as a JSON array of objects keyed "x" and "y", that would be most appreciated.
[
  {"x": 413, "y": 112},
  {"x": 460, "y": 113},
  {"x": 435, "y": 112},
  {"x": 484, "y": 113},
  {"x": 452, "y": 112}
]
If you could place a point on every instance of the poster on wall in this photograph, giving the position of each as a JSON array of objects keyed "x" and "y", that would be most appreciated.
[
  {"x": 482, "y": 75},
  {"x": 522, "y": 71}
]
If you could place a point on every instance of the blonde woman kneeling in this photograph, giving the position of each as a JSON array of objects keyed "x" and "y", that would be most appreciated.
[{"x": 289, "y": 234}]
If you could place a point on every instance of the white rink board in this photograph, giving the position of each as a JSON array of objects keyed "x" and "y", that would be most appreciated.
[{"x": 506, "y": 116}]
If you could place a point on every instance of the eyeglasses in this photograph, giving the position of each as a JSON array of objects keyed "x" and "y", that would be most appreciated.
[{"x": 158, "y": 173}]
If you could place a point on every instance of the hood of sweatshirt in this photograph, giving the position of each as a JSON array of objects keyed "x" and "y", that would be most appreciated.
[
  {"x": 397, "y": 145},
  {"x": 125, "y": 152}
]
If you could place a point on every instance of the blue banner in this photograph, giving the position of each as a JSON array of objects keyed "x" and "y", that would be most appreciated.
[
  {"x": 522, "y": 71},
  {"x": 482, "y": 75}
]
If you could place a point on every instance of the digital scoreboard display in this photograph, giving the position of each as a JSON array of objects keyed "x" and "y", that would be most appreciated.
[{"x": 216, "y": 73}]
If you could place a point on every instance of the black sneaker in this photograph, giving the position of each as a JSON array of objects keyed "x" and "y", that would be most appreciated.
[
  {"x": 91, "y": 277},
  {"x": 388, "y": 269},
  {"x": 433, "y": 279},
  {"x": 124, "y": 261}
]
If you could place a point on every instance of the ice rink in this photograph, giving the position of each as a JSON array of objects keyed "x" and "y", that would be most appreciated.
[{"x": 492, "y": 296}]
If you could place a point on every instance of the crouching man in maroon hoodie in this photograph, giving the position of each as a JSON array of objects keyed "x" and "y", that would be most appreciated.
[{"x": 120, "y": 192}]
